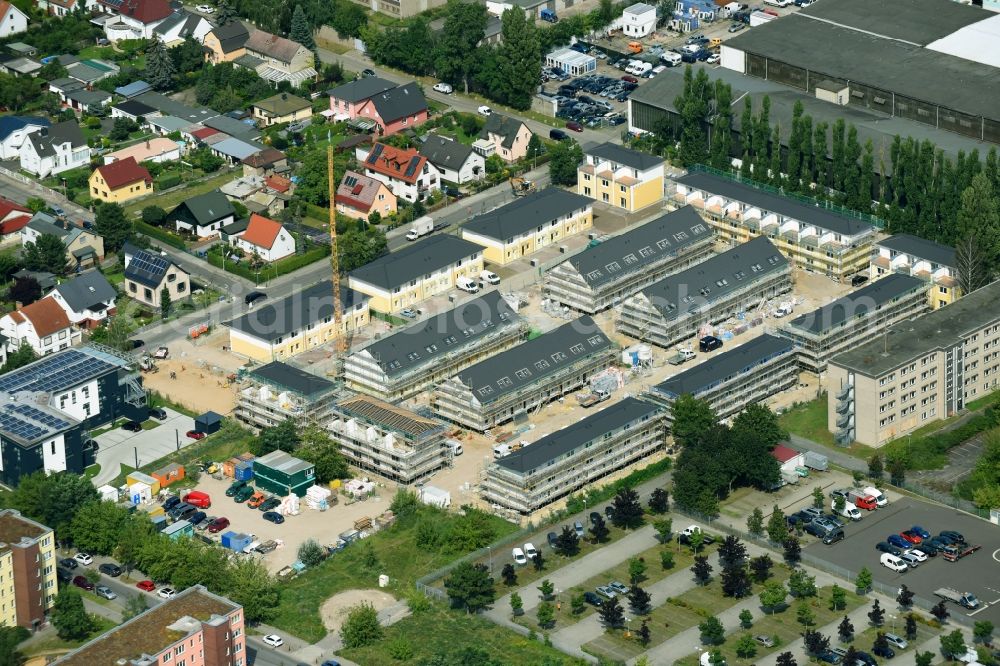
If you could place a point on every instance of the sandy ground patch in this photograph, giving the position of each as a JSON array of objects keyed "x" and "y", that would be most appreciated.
[
  {"x": 334, "y": 610},
  {"x": 201, "y": 369}
]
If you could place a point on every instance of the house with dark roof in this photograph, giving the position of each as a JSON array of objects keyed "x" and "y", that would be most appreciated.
[
  {"x": 87, "y": 101},
  {"x": 396, "y": 109},
  {"x": 61, "y": 86},
  {"x": 134, "y": 89},
  {"x": 504, "y": 136},
  {"x": 84, "y": 248},
  {"x": 359, "y": 196},
  {"x": 43, "y": 326},
  {"x": 19, "y": 66},
  {"x": 519, "y": 381},
  {"x": 576, "y": 457},
  {"x": 401, "y": 365},
  {"x": 134, "y": 110},
  {"x": 265, "y": 162},
  {"x": 120, "y": 181},
  {"x": 133, "y": 19},
  {"x": 52, "y": 150},
  {"x": 529, "y": 224},
  {"x": 274, "y": 392},
  {"x": 407, "y": 173},
  {"x": 604, "y": 275},
  {"x": 264, "y": 238},
  {"x": 226, "y": 43},
  {"x": 203, "y": 215},
  {"x": 181, "y": 25},
  {"x": 14, "y": 130},
  {"x": 148, "y": 274},
  {"x": 347, "y": 99},
  {"x": 277, "y": 59},
  {"x": 296, "y": 323},
  {"x": 911, "y": 255},
  {"x": 457, "y": 162},
  {"x": 281, "y": 108},
  {"x": 418, "y": 271},
  {"x": 87, "y": 299},
  {"x": 621, "y": 177}
]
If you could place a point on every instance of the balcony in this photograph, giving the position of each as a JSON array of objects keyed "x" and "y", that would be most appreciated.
[
  {"x": 844, "y": 406},
  {"x": 845, "y": 393}
]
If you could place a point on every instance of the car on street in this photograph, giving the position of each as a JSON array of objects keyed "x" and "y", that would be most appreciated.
[
  {"x": 105, "y": 592},
  {"x": 63, "y": 575},
  {"x": 736, "y": 27},
  {"x": 911, "y": 537},
  {"x": 924, "y": 534},
  {"x": 766, "y": 641},
  {"x": 269, "y": 503},
  {"x": 618, "y": 587},
  {"x": 530, "y": 551},
  {"x": 194, "y": 434},
  {"x": 273, "y": 517},
  {"x": 896, "y": 641},
  {"x": 552, "y": 538},
  {"x": 367, "y": 73},
  {"x": 205, "y": 9},
  {"x": 218, "y": 525},
  {"x": 484, "y": 110},
  {"x": 443, "y": 87},
  {"x": 833, "y": 537},
  {"x": 146, "y": 585},
  {"x": 84, "y": 559},
  {"x": 575, "y": 126},
  {"x": 166, "y": 593},
  {"x": 592, "y": 599},
  {"x": 898, "y": 541},
  {"x": 578, "y": 528},
  {"x": 82, "y": 583},
  {"x": 253, "y": 297},
  {"x": 518, "y": 556},
  {"x": 595, "y": 518},
  {"x": 132, "y": 426},
  {"x": 408, "y": 313},
  {"x": 603, "y": 590},
  {"x": 858, "y": 280},
  {"x": 273, "y": 640},
  {"x": 110, "y": 569},
  {"x": 68, "y": 562}
]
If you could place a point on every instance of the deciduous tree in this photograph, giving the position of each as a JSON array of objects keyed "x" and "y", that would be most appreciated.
[
  {"x": 911, "y": 626},
  {"x": 746, "y": 618},
  {"x": 801, "y": 584},
  {"x": 546, "y": 614},
  {"x": 863, "y": 582},
  {"x": 638, "y": 600},
  {"x": 659, "y": 501},
  {"x": 599, "y": 530},
  {"x": 792, "y": 550},
  {"x": 564, "y": 157},
  {"x": 627, "y": 511},
  {"x": 838, "y": 598},
  {"x": 567, "y": 542},
  {"x": 953, "y": 644},
  {"x": 777, "y": 526},
  {"x": 361, "y": 628},
  {"x": 519, "y": 59},
  {"x": 755, "y": 522},
  {"x": 732, "y": 550},
  {"x": 25, "y": 290},
  {"x": 457, "y": 53},
  {"x": 701, "y": 569},
  {"x": 112, "y": 225},
  {"x": 760, "y": 567},
  {"x": 69, "y": 617},
  {"x": 905, "y": 597},
  {"x": 470, "y": 586},
  {"x": 773, "y": 595},
  {"x": 516, "y": 604},
  {"x": 612, "y": 613},
  {"x": 735, "y": 582},
  {"x": 712, "y": 631}
]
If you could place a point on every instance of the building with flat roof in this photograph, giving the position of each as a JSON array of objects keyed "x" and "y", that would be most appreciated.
[
  {"x": 571, "y": 61},
  {"x": 716, "y": 289},
  {"x": 529, "y": 224},
  {"x": 522, "y": 379},
  {"x": 196, "y": 627},
  {"x": 621, "y": 177},
  {"x": 603, "y": 275},
  {"x": 28, "y": 570},
  {"x": 930, "y": 261},
  {"x": 813, "y": 238},
  {"x": 272, "y": 393},
  {"x": 401, "y": 365},
  {"x": 749, "y": 373},
  {"x": 854, "y": 319},
  {"x": 388, "y": 440},
  {"x": 418, "y": 271},
  {"x": 581, "y": 454},
  {"x": 916, "y": 372},
  {"x": 283, "y": 474}
]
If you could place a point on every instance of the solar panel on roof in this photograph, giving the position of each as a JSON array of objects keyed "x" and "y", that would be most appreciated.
[
  {"x": 414, "y": 163},
  {"x": 350, "y": 181},
  {"x": 40, "y": 416},
  {"x": 376, "y": 151}
]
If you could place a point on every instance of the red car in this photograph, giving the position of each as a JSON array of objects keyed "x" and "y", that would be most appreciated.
[
  {"x": 911, "y": 536},
  {"x": 146, "y": 585},
  {"x": 630, "y": 78},
  {"x": 194, "y": 434},
  {"x": 82, "y": 583},
  {"x": 575, "y": 126},
  {"x": 218, "y": 525}
]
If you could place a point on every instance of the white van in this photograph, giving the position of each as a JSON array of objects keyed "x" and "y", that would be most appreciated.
[
  {"x": 456, "y": 448},
  {"x": 671, "y": 59},
  {"x": 642, "y": 68},
  {"x": 778, "y": 3},
  {"x": 880, "y": 498},
  {"x": 489, "y": 276},
  {"x": 501, "y": 450},
  {"x": 467, "y": 284},
  {"x": 633, "y": 65},
  {"x": 849, "y": 511},
  {"x": 890, "y": 561}
]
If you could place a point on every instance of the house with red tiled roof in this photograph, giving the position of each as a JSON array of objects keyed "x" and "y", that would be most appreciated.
[
  {"x": 12, "y": 20},
  {"x": 264, "y": 237},
  {"x": 279, "y": 184},
  {"x": 13, "y": 218},
  {"x": 43, "y": 325},
  {"x": 788, "y": 458},
  {"x": 359, "y": 196},
  {"x": 133, "y": 19},
  {"x": 120, "y": 181},
  {"x": 408, "y": 174}
]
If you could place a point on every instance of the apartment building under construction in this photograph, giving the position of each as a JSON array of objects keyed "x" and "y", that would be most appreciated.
[{"x": 276, "y": 392}]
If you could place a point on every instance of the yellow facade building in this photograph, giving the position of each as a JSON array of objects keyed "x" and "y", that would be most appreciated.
[
  {"x": 921, "y": 258},
  {"x": 120, "y": 181},
  {"x": 621, "y": 177},
  {"x": 28, "y": 585}
]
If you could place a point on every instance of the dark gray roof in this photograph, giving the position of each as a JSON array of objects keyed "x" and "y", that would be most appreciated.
[
  {"x": 88, "y": 97},
  {"x": 400, "y": 102},
  {"x": 135, "y": 108},
  {"x": 232, "y": 36},
  {"x": 189, "y": 20},
  {"x": 86, "y": 291},
  {"x": 444, "y": 152},
  {"x": 293, "y": 313},
  {"x": 203, "y": 209},
  {"x": 234, "y": 128},
  {"x": 940, "y": 329},
  {"x": 59, "y": 133},
  {"x": 724, "y": 366},
  {"x": 527, "y": 213},
  {"x": 900, "y": 19},
  {"x": 635, "y": 250},
  {"x": 449, "y": 331},
  {"x": 361, "y": 89},
  {"x": 171, "y": 107},
  {"x": 625, "y": 156},
  {"x": 286, "y": 377},
  {"x": 714, "y": 278},
  {"x": 504, "y": 126},
  {"x": 572, "y": 437},
  {"x": 415, "y": 261},
  {"x": 821, "y": 217},
  {"x": 44, "y": 279},
  {"x": 239, "y": 226},
  {"x": 861, "y": 303},
  {"x": 535, "y": 359},
  {"x": 147, "y": 268},
  {"x": 923, "y": 249}
]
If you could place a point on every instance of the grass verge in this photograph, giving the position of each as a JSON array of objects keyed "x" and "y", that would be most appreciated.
[
  {"x": 54, "y": 644},
  {"x": 809, "y": 420}
]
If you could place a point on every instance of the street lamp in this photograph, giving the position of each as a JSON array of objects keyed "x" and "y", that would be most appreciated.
[{"x": 490, "y": 548}]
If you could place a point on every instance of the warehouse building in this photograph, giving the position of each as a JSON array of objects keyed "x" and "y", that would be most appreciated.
[
  {"x": 854, "y": 319},
  {"x": 718, "y": 288},
  {"x": 273, "y": 393},
  {"x": 602, "y": 276},
  {"x": 403, "y": 364},
  {"x": 918, "y": 371},
  {"x": 515, "y": 383},
  {"x": 911, "y": 255},
  {"x": 529, "y": 224},
  {"x": 279, "y": 473},
  {"x": 575, "y": 457},
  {"x": 730, "y": 381},
  {"x": 28, "y": 570},
  {"x": 816, "y": 239},
  {"x": 393, "y": 442}
]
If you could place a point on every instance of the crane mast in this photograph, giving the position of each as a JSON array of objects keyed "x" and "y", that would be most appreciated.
[{"x": 338, "y": 315}]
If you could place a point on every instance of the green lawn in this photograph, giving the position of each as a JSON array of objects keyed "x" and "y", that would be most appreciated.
[
  {"x": 53, "y": 644},
  {"x": 809, "y": 420},
  {"x": 171, "y": 199}
]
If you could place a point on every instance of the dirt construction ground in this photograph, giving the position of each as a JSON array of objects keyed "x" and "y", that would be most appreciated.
[
  {"x": 200, "y": 369},
  {"x": 334, "y": 610}
]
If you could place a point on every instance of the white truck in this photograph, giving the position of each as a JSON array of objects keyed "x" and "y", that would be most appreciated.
[
  {"x": 671, "y": 59},
  {"x": 420, "y": 227},
  {"x": 849, "y": 510},
  {"x": 490, "y": 277},
  {"x": 467, "y": 284},
  {"x": 880, "y": 498},
  {"x": 964, "y": 599}
]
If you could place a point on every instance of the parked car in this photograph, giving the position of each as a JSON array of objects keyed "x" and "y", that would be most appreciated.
[
  {"x": 606, "y": 592},
  {"x": 618, "y": 587},
  {"x": 82, "y": 583},
  {"x": 110, "y": 569},
  {"x": 592, "y": 599},
  {"x": 912, "y": 558},
  {"x": 197, "y": 518},
  {"x": 954, "y": 536},
  {"x": 834, "y": 537},
  {"x": 552, "y": 538},
  {"x": 218, "y": 525},
  {"x": 766, "y": 641},
  {"x": 578, "y": 528},
  {"x": 530, "y": 551},
  {"x": 858, "y": 280},
  {"x": 132, "y": 426},
  {"x": 443, "y": 87},
  {"x": 518, "y": 556},
  {"x": 166, "y": 593},
  {"x": 253, "y": 297},
  {"x": 194, "y": 434},
  {"x": 924, "y": 534},
  {"x": 84, "y": 559},
  {"x": 105, "y": 592},
  {"x": 709, "y": 343},
  {"x": 158, "y": 413},
  {"x": 171, "y": 502},
  {"x": 243, "y": 494},
  {"x": 575, "y": 126},
  {"x": 898, "y": 541},
  {"x": 273, "y": 640},
  {"x": 273, "y": 517},
  {"x": 485, "y": 110},
  {"x": 885, "y": 547},
  {"x": 713, "y": 59},
  {"x": 146, "y": 585},
  {"x": 256, "y": 500},
  {"x": 269, "y": 503},
  {"x": 893, "y": 563},
  {"x": 736, "y": 27},
  {"x": 367, "y": 73},
  {"x": 896, "y": 641},
  {"x": 63, "y": 575},
  {"x": 911, "y": 537},
  {"x": 408, "y": 313},
  {"x": 69, "y": 563},
  {"x": 235, "y": 487}
]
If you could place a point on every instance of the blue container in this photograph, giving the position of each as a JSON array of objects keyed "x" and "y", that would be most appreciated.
[
  {"x": 235, "y": 540},
  {"x": 243, "y": 472}
]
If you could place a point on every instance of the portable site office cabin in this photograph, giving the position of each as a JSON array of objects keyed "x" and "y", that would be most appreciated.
[{"x": 282, "y": 474}]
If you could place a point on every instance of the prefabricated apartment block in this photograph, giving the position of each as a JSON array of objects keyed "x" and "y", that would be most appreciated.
[
  {"x": 602, "y": 276},
  {"x": 387, "y": 440},
  {"x": 27, "y": 569},
  {"x": 916, "y": 372},
  {"x": 717, "y": 288},
  {"x": 405, "y": 363},
  {"x": 730, "y": 381},
  {"x": 816, "y": 239},
  {"x": 855, "y": 319},
  {"x": 576, "y": 456},
  {"x": 276, "y": 392},
  {"x": 520, "y": 380}
]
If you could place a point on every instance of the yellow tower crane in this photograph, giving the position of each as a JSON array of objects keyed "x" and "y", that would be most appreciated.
[{"x": 340, "y": 341}]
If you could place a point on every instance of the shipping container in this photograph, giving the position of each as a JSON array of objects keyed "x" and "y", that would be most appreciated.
[
  {"x": 236, "y": 541},
  {"x": 141, "y": 477},
  {"x": 816, "y": 461},
  {"x": 171, "y": 473},
  {"x": 243, "y": 471},
  {"x": 159, "y": 522}
]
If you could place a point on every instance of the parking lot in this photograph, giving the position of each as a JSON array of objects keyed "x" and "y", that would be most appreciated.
[
  {"x": 978, "y": 573},
  {"x": 118, "y": 446}
]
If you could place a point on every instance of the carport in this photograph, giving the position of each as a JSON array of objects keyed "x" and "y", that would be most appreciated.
[{"x": 208, "y": 423}]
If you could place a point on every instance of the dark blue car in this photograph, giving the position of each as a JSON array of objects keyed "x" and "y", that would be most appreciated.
[
  {"x": 898, "y": 541},
  {"x": 924, "y": 534}
]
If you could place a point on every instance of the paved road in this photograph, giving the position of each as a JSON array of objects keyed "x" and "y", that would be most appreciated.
[{"x": 835, "y": 456}]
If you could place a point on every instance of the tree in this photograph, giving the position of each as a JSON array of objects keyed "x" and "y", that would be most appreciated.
[
  {"x": 361, "y": 627},
  {"x": 759, "y": 420},
  {"x": 509, "y": 575},
  {"x": 36, "y": 204},
  {"x": 876, "y": 615},
  {"x": 875, "y": 467},
  {"x": 755, "y": 522},
  {"x": 319, "y": 449},
  {"x": 982, "y": 631},
  {"x": 666, "y": 559},
  {"x": 301, "y": 31},
  {"x": 838, "y": 598},
  {"x": 643, "y": 633},
  {"x": 224, "y": 13},
  {"x": 845, "y": 630},
  {"x": 311, "y": 553},
  {"x": 863, "y": 582},
  {"x": 924, "y": 658},
  {"x": 804, "y": 615},
  {"x": 282, "y": 437},
  {"x": 712, "y": 631},
  {"x": 578, "y": 603},
  {"x": 953, "y": 644},
  {"x": 801, "y": 584},
  {"x": 47, "y": 253},
  {"x": 735, "y": 582},
  {"x": 626, "y": 509},
  {"x": 135, "y": 605},
  {"x": 692, "y": 418},
  {"x": 546, "y": 589},
  {"x": 719, "y": 151},
  {"x": 535, "y": 146},
  {"x": 792, "y": 550},
  {"x": 638, "y": 600},
  {"x": 612, "y": 613},
  {"x": 546, "y": 614},
  {"x": 978, "y": 217},
  {"x": 663, "y": 529},
  {"x": 69, "y": 617},
  {"x": 695, "y": 540},
  {"x": 897, "y": 471},
  {"x": 940, "y": 611},
  {"x": 881, "y": 643},
  {"x": 519, "y": 60},
  {"x": 564, "y": 157},
  {"x": 52, "y": 499},
  {"x": 773, "y": 595},
  {"x": 852, "y": 655},
  {"x": 693, "y": 105},
  {"x": 470, "y": 586},
  {"x": 516, "y": 604},
  {"x": 746, "y": 646},
  {"x": 121, "y": 129},
  {"x": 599, "y": 530},
  {"x": 777, "y": 526},
  {"x": 971, "y": 265},
  {"x": 786, "y": 659},
  {"x": 818, "y": 498},
  {"x": 746, "y": 618},
  {"x": 538, "y": 561},
  {"x": 701, "y": 569},
  {"x": 159, "y": 66},
  {"x": 732, "y": 550},
  {"x": 816, "y": 643},
  {"x": 568, "y": 543},
  {"x": 659, "y": 501},
  {"x": 97, "y": 526},
  {"x": 154, "y": 215},
  {"x": 165, "y": 302},
  {"x": 636, "y": 570},
  {"x": 112, "y": 225},
  {"x": 760, "y": 567},
  {"x": 911, "y": 626},
  {"x": 25, "y": 290},
  {"x": 456, "y": 53},
  {"x": 905, "y": 597}
]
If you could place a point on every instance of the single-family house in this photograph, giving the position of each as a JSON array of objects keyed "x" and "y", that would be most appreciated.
[
  {"x": 83, "y": 248},
  {"x": 55, "y": 149},
  {"x": 279, "y": 184},
  {"x": 347, "y": 99},
  {"x": 42, "y": 325},
  {"x": 277, "y": 59},
  {"x": 134, "y": 110},
  {"x": 264, "y": 237},
  {"x": 359, "y": 196},
  {"x": 203, "y": 215},
  {"x": 407, "y": 173},
  {"x": 13, "y": 218},
  {"x": 226, "y": 42},
  {"x": 180, "y": 25},
  {"x": 265, "y": 162},
  {"x": 282, "y": 108},
  {"x": 157, "y": 149},
  {"x": 12, "y": 20},
  {"x": 503, "y": 136},
  {"x": 133, "y": 19},
  {"x": 234, "y": 150},
  {"x": 14, "y": 130},
  {"x": 396, "y": 109},
  {"x": 19, "y": 66},
  {"x": 88, "y": 101},
  {"x": 120, "y": 181},
  {"x": 63, "y": 7},
  {"x": 65, "y": 85},
  {"x": 148, "y": 274},
  {"x": 91, "y": 70},
  {"x": 88, "y": 299},
  {"x": 457, "y": 162}
]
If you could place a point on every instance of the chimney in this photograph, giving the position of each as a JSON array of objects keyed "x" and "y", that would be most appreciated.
[{"x": 284, "y": 95}]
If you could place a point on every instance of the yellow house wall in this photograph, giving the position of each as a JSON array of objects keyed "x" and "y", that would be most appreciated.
[
  {"x": 647, "y": 194},
  {"x": 47, "y": 551},
  {"x": 242, "y": 344},
  {"x": 216, "y": 55},
  {"x": 99, "y": 190},
  {"x": 525, "y": 246},
  {"x": 8, "y": 605},
  {"x": 409, "y": 295}
]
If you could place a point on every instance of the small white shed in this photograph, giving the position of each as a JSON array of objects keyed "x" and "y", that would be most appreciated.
[
  {"x": 435, "y": 497},
  {"x": 572, "y": 62},
  {"x": 108, "y": 493},
  {"x": 140, "y": 493}
]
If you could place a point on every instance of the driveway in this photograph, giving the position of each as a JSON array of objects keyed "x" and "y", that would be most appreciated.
[{"x": 134, "y": 449}]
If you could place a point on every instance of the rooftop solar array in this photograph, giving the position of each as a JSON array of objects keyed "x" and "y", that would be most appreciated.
[
  {"x": 66, "y": 369},
  {"x": 40, "y": 416},
  {"x": 147, "y": 268}
]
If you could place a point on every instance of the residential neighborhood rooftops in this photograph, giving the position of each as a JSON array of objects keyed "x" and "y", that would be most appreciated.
[
  {"x": 860, "y": 303},
  {"x": 87, "y": 291},
  {"x": 523, "y": 216},
  {"x": 232, "y": 36},
  {"x": 445, "y": 152},
  {"x": 921, "y": 248},
  {"x": 134, "y": 107},
  {"x": 262, "y": 231},
  {"x": 290, "y": 378},
  {"x": 144, "y": 11},
  {"x": 130, "y": 90},
  {"x": 236, "y": 148},
  {"x": 622, "y": 155},
  {"x": 204, "y": 209},
  {"x": 389, "y": 416},
  {"x": 357, "y": 191},
  {"x": 415, "y": 261},
  {"x": 123, "y": 172},
  {"x": 273, "y": 46},
  {"x": 361, "y": 89},
  {"x": 144, "y": 150},
  {"x": 283, "y": 104},
  {"x": 11, "y": 124},
  {"x": 293, "y": 313},
  {"x": 146, "y": 268},
  {"x": 188, "y": 22},
  {"x": 64, "y": 132},
  {"x": 640, "y": 8},
  {"x": 170, "y": 107},
  {"x": 400, "y": 102},
  {"x": 45, "y": 316},
  {"x": 501, "y": 125},
  {"x": 404, "y": 165}
]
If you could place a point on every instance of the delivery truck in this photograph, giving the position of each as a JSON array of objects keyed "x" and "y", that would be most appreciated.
[
  {"x": 965, "y": 599},
  {"x": 420, "y": 227}
]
